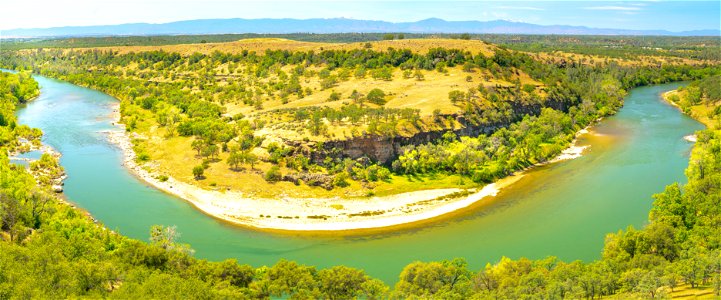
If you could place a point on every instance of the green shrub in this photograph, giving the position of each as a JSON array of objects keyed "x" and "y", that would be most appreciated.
[{"x": 273, "y": 174}]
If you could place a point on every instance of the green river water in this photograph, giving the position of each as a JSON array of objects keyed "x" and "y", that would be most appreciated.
[{"x": 564, "y": 209}]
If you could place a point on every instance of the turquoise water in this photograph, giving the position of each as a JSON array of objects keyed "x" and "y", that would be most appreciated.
[{"x": 564, "y": 209}]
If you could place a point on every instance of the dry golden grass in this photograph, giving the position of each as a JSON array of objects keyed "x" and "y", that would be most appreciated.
[
  {"x": 558, "y": 56},
  {"x": 427, "y": 96},
  {"x": 259, "y": 45},
  {"x": 686, "y": 292},
  {"x": 422, "y": 45}
]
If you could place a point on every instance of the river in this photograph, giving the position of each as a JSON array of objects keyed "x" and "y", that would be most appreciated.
[{"x": 563, "y": 209}]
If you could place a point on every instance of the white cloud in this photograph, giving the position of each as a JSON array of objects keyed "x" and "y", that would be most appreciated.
[
  {"x": 521, "y": 8},
  {"x": 620, "y": 8}
]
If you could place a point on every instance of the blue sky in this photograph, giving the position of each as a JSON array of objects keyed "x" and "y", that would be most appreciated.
[{"x": 668, "y": 15}]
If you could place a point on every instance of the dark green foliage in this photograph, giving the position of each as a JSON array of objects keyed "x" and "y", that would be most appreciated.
[
  {"x": 273, "y": 174},
  {"x": 702, "y": 47},
  {"x": 198, "y": 172},
  {"x": 376, "y": 96}
]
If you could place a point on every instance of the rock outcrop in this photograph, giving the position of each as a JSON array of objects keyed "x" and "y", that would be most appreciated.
[{"x": 384, "y": 149}]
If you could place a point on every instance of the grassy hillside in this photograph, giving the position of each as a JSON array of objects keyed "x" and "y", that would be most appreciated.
[{"x": 348, "y": 119}]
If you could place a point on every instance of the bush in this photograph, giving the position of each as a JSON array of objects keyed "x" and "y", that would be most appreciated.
[
  {"x": 334, "y": 96},
  {"x": 341, "y": 180},
  {"x": 273, "y": 174},
  {"x": 143, "y": 156}
]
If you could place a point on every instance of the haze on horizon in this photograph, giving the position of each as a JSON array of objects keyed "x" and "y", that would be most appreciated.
[{"x": 634, "y": 15}]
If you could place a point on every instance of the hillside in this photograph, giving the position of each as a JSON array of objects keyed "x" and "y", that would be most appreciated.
[{"x": 305, "y": 119}]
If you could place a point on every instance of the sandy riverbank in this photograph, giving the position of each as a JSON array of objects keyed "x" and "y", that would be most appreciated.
[{"x": 319, "y": 214}]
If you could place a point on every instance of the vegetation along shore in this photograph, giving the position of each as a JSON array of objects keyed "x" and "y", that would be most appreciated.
[{"x": 275, "y": 133}]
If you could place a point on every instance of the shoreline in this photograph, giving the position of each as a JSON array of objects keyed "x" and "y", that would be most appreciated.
[
  {"x": 320, "y": 214},
  {"x": 691, "y": 138}
]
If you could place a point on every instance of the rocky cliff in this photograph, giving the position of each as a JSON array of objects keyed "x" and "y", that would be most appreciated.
[{"x": 384, "y": 149}]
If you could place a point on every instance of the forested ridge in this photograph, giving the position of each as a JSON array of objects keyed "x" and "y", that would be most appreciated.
[
  {"x": 51, "y": 250},
  {"x": 704, "y": 47}
]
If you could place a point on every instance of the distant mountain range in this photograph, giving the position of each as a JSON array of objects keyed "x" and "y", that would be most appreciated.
[{"x": 335, "y": 25}]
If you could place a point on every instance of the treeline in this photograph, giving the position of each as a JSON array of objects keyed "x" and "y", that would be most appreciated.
[
  {"x": 159, "y": 40},
  {"x": 15, "y": 89},
  {"x": 487, "y": 158},
  {"x": 695, "y": 47},
  {"x": 698, "y": 47},
  {"x": 706, "y": 92}
]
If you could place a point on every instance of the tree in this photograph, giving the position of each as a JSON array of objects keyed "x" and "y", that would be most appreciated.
[
  {"x": 211, "y": 151},
  {"x": 235, "y": 159},
  {"x": 198, "y": 172},
  {"x": 273, "y": 174},
  {"x": 468, "y": 67},
  {"x": 334, "y": 96},
  {"x": 376, "y": 96},
  {"x": 384, "y": 73},
  {"x": 163, "y": 236},
  {"x": 456, "y": 96},
  {"x": 357, "y": 97},
  {"x": 198, "y": 145},
  {"x": 38, "y": 201},
  {"x": 419, "y": 75},
  {"x": 528, "y": 88},
  {"x": 250, "y": 158},
  {"x": 374, "y": 289},
  {"x": 10, "y": 211},
  {"x": 341, "y": 282},
  {"x": 441, "y": 67},
  {"x": 341, "y": 179},
  {"x": 316, "y": 124}
]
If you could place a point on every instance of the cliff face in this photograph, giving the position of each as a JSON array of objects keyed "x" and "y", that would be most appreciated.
[{"x": 384, "y": 149}]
